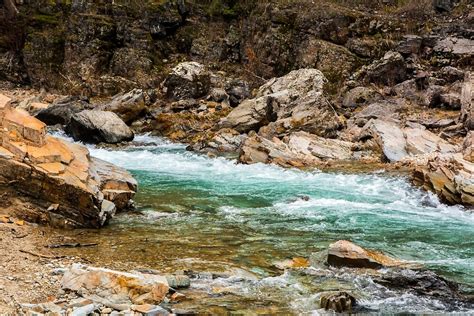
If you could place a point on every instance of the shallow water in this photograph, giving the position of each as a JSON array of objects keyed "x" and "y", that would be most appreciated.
[{"x": 204, "y": 214}]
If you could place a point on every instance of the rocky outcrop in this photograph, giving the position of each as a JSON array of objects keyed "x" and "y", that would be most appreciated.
[
  {"x": 389, "y": 70},
  {"x": 188, "y": 80},
  {"x": 97, "y": 127},
  {"x": 115, "y": 288},
  {"x": 294, "y": 102},
  {"x": 450, "y": 176},
  {"x": 397, "y": 143},
  {"x": 344, "y": 253},
  {"x": 68, "y": 187},
  {"x": 299, "y": 149}
]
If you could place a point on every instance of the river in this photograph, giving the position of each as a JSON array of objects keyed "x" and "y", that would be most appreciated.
[{"x": 212, "y": 214}]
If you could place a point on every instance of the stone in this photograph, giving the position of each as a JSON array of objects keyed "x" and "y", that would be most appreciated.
[
  {"x": 450, "y": 176},
  {"x": 454, "y": 46},
  {"x": 188, "y": 80},
  {"x": 115, "y": 286},
  {"x": 389, "y": 136},
  {"x": 178, "y": 281},
  {"x": 359, "y": 96},
  {"x": 410, "y": 44},
  {"x": 467, "y": 102},
  {"x": 290, "y": 103},
  {"x": 83, "y": 310},
  {"x": 468, "y": 147},
  {"x": 66, "y": 186},
  {"x": 443, "y": 5},
  {"x": 420, "y": 141},
  {"x": 389, "y": 70},
  {"x": 298, "y": 149},
  {"x": 344, "y": 253},
  {"x": 340, "y": 302},
  {"x": 226, "y": 140},
  {"x": 62, "y": 111},
  {"x": 238, "y": 90},
  {"x": 150, "y": 310},
  {"x": 97, "y": 127},
  {"x": 128, "y": 106}
]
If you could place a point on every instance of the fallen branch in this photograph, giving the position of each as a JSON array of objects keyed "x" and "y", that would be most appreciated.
[
  {"x": 41, "y": 255},
  {"x": 71, "y": 245}
]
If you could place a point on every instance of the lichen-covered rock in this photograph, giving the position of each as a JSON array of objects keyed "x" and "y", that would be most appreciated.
[
  {"x": 188, "y": 80},
  {"x": 290, "y": 103},
  {"x": 69, "y": 188},
  {"x": 128, "y": 106},
  {"x": 389, "y": 70},
  {"x": 98, "y": 126}
]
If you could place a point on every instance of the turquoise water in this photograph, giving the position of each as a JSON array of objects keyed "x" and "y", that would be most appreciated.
[{"x": 213, "y": 214}]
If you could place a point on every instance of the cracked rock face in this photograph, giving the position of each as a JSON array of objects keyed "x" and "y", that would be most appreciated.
[{"x": 70, "y": 188}]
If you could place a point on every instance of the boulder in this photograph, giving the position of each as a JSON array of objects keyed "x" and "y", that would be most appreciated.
[
  {"x": 359, "y": 96},
  {"x": 344, "y": 253},
  {"x": 450, "y": 176},
  {"x": 97, "y": 127},
  {"x": 468, "y": 147},
  {"x": 290, "y": 103},
  {"x": 111, "y": 287},
  {"x": 389, "y": 136},
  {"x": 377, "y": 110},
  {"x": 410, "y": 44},
  {"x": 238, "y": 90},
  {"x": 389, "y": 70},
  {"x": 128, "y": 106},
  {"x": 188, "y": 80},
  {"x": 67, "y": 187},
  {"x": 62, "y": 111},
  {"x": 299, "y": 149},
  {"x": 225, "y": 141},
  {"x": 467, "y": 101}
]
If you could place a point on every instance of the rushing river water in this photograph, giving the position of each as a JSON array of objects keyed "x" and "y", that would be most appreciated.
[{"x": 209, "y": 214}]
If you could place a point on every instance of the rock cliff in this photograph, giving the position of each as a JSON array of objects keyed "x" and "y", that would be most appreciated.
[{"x": 65, "y": 186}]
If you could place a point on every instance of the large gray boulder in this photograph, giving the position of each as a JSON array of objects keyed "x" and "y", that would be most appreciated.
[
  {"x": 389, "y": 70},
  {"x": 62, "y": 111},
  {"x": 188, "y": 80},
  {"x": 98, "y": 127},
  {"x": 294, "y": 102}
]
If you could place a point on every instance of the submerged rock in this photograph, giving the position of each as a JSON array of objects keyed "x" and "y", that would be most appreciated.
[
  {"x": 344, "y": 253},
  {"x": 68, "y": 187},
  {"x": 97, "y": 127},
  {"x": 339, "y": 302}
]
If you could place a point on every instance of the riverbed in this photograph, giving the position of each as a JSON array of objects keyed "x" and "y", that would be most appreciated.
[{"x": 233, "y": 224}]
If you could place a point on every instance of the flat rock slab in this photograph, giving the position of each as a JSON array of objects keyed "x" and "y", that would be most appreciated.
[{"x": 115, "y": 286}]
